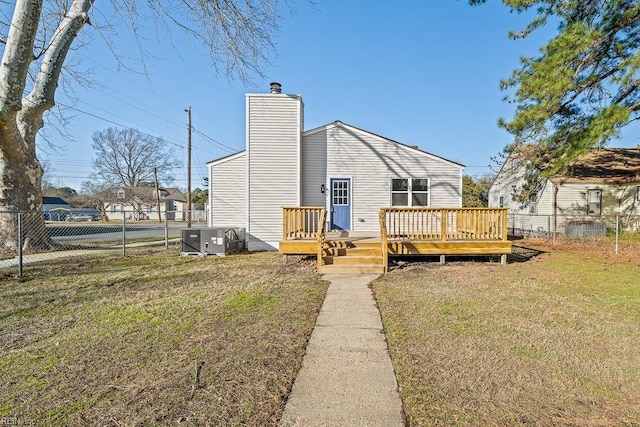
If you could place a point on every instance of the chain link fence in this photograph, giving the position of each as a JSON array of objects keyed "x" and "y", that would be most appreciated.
[
  {"x": 618, "y": 232},
  {"x": 31, "y": 237}
]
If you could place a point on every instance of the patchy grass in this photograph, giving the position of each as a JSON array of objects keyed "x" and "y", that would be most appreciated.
[
  {"x": 554, "y": 340},
  {"x": 116, "y": 341}
]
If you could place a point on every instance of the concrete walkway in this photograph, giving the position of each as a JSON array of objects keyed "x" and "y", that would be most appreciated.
[{"x": 346, "y": 378}]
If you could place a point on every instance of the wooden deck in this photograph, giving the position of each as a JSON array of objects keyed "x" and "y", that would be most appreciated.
[{"x": 403, "y": 232}]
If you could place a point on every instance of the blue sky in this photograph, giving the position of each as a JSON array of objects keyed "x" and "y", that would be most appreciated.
[{"x": 424, "y": 73}]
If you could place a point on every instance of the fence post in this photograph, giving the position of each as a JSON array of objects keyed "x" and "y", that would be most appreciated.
[
  {"x": 166, "y": 231},
  {"x": 124, "y": 234},
  {"x": 617, "y": 232},
  {"x": 20, "y": 244}
]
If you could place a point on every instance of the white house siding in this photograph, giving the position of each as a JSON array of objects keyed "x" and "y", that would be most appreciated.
[
  {"x": 616, "y": 199},
  {"x": 506, "y": 183},
  {"x": 273, "y": 144},
  {"x": 228, "y": 192},
  {"x": 314, "y": 168},
  {"x": 371, "y": 162}
]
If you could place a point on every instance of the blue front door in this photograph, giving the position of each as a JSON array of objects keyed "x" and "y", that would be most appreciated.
[{"x": 341, "y": 204}]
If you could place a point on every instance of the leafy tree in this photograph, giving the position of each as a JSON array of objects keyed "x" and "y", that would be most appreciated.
[
  {"x": 582, "y": 88},
  {"x": 36, "y": 37},
  {"x": 128, "y": 158},
  {"x": 199, "y": 198},
  {"x": 475, "y": 193},
  {"x": 66, "y": 193}
]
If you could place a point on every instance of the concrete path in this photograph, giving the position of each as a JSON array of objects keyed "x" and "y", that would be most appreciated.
[{"x": 346, "y": 378}]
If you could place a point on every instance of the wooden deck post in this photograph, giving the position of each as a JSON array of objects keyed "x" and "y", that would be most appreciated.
[
  {"x": 443, "y": 224},
  {"x": 505, "y": 224}
]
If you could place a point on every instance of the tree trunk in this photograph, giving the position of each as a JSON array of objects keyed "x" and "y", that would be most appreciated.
[
  {"x": 20, "y": 191},
  {"x": 21, "y": 118}
]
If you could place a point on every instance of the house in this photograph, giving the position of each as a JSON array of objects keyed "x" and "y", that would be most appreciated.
[
  {"x": 140, "y": 203},
  {"x": 55, "y": 208},
  {"x": 347, "y": 170},
  {"x": 597, "y": 187}
]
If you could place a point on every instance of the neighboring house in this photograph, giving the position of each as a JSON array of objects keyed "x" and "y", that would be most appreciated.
[
  {"x": 597, "y": 186},
  {"x": 141, "y": 203},
  {"x": 55, "y": 208},
  {"x": 350, "y": 171}
]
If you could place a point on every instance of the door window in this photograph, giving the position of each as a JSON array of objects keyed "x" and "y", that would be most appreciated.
[{"x": 340, "y": 193}]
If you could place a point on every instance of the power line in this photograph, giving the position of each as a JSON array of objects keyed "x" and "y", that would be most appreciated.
[
  {"x": 215, "y": 141},
  {"x": 115, "y": 123}
]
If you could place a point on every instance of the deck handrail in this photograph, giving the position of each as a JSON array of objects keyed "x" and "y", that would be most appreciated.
[
  {"x": 321, "y": 221},
  {"x": 383, "y": 240},
  {"x": 302, "y": 222},
  {"x": 444, "y": 224}
]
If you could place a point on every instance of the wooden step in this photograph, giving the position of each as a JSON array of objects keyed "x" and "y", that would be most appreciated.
[
  {"x": 351, "y": 244},
  {"x": 353, "y": 251},
  {"x": 352, "y": 269},
  {"x": 352, "y": 260}
]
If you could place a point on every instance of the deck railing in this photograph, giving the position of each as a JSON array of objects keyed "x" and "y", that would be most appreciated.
[
  {"x": 444, "y": 224},
  {"x": 383, "y": 240},
  {"x": 302, "y": 222},
  {"x": 320, "y": 237}
]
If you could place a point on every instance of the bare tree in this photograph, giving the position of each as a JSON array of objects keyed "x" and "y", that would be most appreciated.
[
  {"x": 98, "y": 195},
  {"x": 127, "y": 157},
  {"x": 36, "y": 38}
]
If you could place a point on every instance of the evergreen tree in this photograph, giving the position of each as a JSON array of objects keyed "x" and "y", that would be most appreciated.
[{"x": 582, "y": 88}]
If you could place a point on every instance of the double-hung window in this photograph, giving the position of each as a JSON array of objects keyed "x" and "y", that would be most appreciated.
[
  {"x": 533, "y": 204},
  {"x": 410, "y": 192},
  {"x": 594, "y": 202}
]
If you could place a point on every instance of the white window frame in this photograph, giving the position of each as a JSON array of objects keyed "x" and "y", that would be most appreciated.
[
  {"x": 533, "y": 204},
  {"x": 501, "y": 202},
  {"x": 409, "y": 191},
  {"x": 591, "y": 191}
]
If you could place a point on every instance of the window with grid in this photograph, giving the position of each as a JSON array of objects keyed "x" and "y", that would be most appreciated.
[
  {"x": 410, "y": 192},
  {"x": 340, "y": 193}
]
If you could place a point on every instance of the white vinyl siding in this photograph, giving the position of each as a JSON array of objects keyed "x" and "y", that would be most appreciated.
[
  {"x": 314, "y": 169},
  {"x": 621, "y": 199},
  {"x": 572, "y": 198},
  {"x": 228, "y": 192},
  {"x": 273, "y": 146},
  {"x": 372, "y": 162}
]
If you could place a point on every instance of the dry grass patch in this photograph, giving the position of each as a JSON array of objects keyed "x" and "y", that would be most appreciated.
[
  {"x": 117, "y": 341},
  {"x": 551, "y": 341}
]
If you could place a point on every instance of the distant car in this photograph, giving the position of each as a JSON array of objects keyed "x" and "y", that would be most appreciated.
[{"x": 79, "y": 217}]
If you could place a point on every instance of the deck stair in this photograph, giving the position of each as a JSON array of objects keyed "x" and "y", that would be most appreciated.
[{"x": 351, "y": 254}]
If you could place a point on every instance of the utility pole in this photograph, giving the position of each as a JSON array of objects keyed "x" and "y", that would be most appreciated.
[{"x": 188, "y": 110}]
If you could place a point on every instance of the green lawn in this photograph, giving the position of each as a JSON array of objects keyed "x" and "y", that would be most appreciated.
[
  {"x": 113, "y": 341},
  {"x": 551, "y": 341}
]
